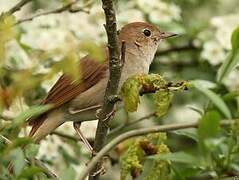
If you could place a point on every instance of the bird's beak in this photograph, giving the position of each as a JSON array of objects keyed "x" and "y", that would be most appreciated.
[{"x": 164, "y": 35}]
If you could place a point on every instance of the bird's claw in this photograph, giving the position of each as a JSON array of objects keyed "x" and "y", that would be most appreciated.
[
  {"x": 101, "y": 171},
  {"x": 107, "y": 117}
]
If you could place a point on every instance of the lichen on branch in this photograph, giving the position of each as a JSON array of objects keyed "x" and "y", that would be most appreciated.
[
  {"x": 134, "y": 159},
  {"x": 137, "y": 85}
]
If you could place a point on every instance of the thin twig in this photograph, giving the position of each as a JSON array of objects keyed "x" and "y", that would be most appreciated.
[
  {"x": 45, "y": 169},
  {"x": 139, "y": 132},
  {"x": 18, "y": 6},
  {"x": 113, "y": 82},
  {"x": 66, "y": 136},
  {"x": 68, "y": 7},
  {"x": 141, "y": 119},
  {"x": 130, "y": 123},
  {"x": 119, "y": 128}
]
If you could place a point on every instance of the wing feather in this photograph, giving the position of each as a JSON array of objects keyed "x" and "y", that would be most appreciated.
[{"x": 66, "y": 89}]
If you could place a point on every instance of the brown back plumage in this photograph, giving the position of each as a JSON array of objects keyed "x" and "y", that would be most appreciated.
[{"x": 65, "y": 89}]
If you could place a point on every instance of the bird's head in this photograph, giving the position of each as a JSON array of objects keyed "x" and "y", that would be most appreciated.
[{"x": 142, "y": 38}]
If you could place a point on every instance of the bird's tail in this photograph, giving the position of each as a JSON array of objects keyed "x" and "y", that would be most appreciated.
[{"x": 45, "y": 124}]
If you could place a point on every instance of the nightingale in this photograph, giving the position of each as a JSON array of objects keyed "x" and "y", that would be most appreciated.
[{"x": 79, "y": 101}]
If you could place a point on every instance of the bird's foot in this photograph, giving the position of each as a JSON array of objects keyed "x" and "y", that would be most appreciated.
[
  {"x": 107, "y": 117},
  {"x": 101, "y": 171}
]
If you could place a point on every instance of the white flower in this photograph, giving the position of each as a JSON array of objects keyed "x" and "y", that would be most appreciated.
[
  {"x": 232, "y": 80},
  {"x": 87, "y": 26},
  {"x": 49, "y": 148},
  {"x": 89, "y": 128},
  {"x": 165, "y": 13},
  {"x": 52, "y": 31},
  {"x": 17, "y": 106},
  {"x": 130, "y": 15},
  {"x": 45, "y": 39},
  {"x": 182, "y": 114},
  {"x": 160, "y": 11},
  {"x": 67, "y": 128},
  {"x": 224, "y": 27},
  {"x": 213, "y": 52},
  {"x": 6, "y": 5},
  {"x": 147, "y": 6}
]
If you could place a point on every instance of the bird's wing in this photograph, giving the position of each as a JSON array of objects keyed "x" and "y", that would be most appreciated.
[{"x": 65, "y": 89}]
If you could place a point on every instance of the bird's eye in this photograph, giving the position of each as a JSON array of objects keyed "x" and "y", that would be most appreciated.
[{"x": 147, "y": 32}]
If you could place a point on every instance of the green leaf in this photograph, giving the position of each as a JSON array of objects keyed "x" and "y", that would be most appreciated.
[
  {"x": 231, "y": 95},
  {"x": 32, "y": 111},
  {"x": 235, "y": 40},
  {"x": 29, "y": 172},
  {"x": 155, "y": 169},
  {"x": 18, "y": 142},
  {"x": 93, "y": 50},
  {"x": 162, "y": 99},
  {"x": 68, "y": 158},
  {"x": 228, "y": 65},
  {"x": 204, "y": 83},
  {"x": 180, "y": 157},
  {"x": 13, "y": 128},
  {"x": 130, "y": 160},
  {"x": 215, "y": 99},
  {"x": 67, "y": 174},
  {"x": 69, "y": 65},
  {"x": 7, "y": 32},
  {"x": 152, "y": 80},
  {"x": 209, "y": 125},
  {"x": 232, "y": 58},
  {"x": 190, "y": 134},
  {"x": 196, "y": 109},
  {"x": 208, "y": 129},
  {"x": 31, "y": 150},
  {"x": 18, "y": 161},
  {"x": 130, "y": 94}
]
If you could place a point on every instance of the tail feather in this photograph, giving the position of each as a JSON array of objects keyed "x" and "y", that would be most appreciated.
[
  {"x": 36, "y": 123},
  {"x": 45, "y": 124}
]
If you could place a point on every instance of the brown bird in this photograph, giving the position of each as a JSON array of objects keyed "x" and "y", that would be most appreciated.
[{"x": 79, "y": 102}]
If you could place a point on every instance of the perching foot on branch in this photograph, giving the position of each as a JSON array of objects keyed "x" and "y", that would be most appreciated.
[{"x": 108, "y": 116}]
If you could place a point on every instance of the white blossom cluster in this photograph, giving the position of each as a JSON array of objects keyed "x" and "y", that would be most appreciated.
[{"x": 214, "y": 50}]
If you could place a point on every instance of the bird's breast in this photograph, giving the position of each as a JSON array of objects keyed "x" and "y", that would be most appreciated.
[{"x": 134, "y": 65}]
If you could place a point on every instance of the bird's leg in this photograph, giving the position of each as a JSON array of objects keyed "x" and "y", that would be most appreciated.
[{"x": 76, "y": 126}]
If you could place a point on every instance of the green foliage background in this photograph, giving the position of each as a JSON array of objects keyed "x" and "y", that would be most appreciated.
[{"x": 34, "y": 53}]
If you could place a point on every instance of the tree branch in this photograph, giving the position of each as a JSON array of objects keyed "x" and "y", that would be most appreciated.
[
  {"x": 18, "y": 6},
  {"x": 68, "y": 7},
  {"x": 66, "y": 136},
  {"x": 130, "y": 123},
  {"x": 140, "y": 132},
  {"x": 115, "y": 66}
]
